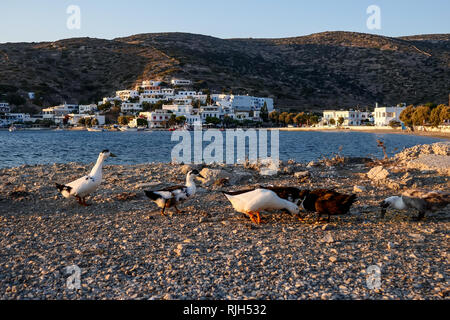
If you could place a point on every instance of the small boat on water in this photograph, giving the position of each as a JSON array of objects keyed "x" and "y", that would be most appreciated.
[
  {"x": 95, "y": 129},
  {"x": 128, "y": 129},
  {"x": 12, "y": 128}
]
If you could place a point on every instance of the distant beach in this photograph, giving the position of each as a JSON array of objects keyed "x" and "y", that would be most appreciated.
[{"x": 377, "y": 130}]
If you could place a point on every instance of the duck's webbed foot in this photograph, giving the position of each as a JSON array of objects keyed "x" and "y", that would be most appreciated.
[{"x": 254, "y": 217}]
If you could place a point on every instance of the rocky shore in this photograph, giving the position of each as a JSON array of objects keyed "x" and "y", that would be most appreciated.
[{"x": 126, "y": 250}]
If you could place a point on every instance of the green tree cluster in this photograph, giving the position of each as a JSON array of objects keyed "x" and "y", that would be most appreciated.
[{"x": 428, "y": 114}]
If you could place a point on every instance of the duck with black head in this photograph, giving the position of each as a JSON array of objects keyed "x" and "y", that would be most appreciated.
[{"x": 172, "y": 196}]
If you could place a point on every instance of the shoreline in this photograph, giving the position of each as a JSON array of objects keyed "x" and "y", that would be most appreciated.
[
  {"x": 377, "y": 130},
  {"x": 374, "y": 130}
]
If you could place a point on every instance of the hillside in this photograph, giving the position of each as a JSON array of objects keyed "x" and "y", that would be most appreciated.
[{"x": 317, "y": 71}]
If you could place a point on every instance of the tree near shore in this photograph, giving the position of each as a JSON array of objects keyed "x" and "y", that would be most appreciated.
[
  {"x": 406, "y": 116},
  {"x": 421, "y": 115},
  {"x": 264, "y": 113},
  {"x": 274, "y": 116},
  {"x": 394, "y": 124},
  {"x": 180, "y": 119},
  {"x": 439, "y": 114},
  {"x": 82, "y": 122},
  {"x": 142, "y": 122},
  {"x": 289, "y": 119},
  {"x": 94, "y": 122},
  {"x": 124, "y": 120},
  {"x": 282, "y": 117}
]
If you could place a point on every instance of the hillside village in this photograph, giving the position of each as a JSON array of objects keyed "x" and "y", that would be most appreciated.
[{"x": 156, "y": 104}]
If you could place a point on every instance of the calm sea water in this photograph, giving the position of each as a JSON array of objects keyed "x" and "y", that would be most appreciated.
[{"x": 41, "y": 147}]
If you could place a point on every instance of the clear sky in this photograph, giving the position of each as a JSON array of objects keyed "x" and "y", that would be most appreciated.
[{"x": 45, "y": 20}]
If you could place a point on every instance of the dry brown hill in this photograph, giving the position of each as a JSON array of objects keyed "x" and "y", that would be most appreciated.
[{"x": 321, "y": 70}]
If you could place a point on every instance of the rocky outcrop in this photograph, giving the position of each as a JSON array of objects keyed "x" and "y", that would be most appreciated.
[{"x": 434, "y": 156}]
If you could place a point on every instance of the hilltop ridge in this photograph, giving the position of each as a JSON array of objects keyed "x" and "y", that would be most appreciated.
[{"x": 322, "y": 70}]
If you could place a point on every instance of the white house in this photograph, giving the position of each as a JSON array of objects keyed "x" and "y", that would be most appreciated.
[
  {"x": 213, "y": 111},
  {"x": 149, "y": 84},
  {"x": 180, "y": 82},
  {"x": 74, "y": 118},
  {"x": 10, "y": 118},
  {"x": 124, "y": 95},
  {"x": 383, "y": 115},
  {"x": 87, "y": 108},
  {"x": 351, "y": 117},
  {"x": 193, "y": 119},
  {"x": 154, "y": 92},
  {"x": 57, "y": 113},
  {"x": 130, "y": 107},
  {"x": 242, "y": 115},
  {"x": 109, "y": 99},
  {"x": 4, "y": 107},
  {"x": 247, "y": 102},
  {"x": 179, "y": 109},
  {"x": 182, "y": 101},
  {"x": 168, "y": 91},
  {"x": 193, "y": 95},
  {"x": 157, "y": 118}
]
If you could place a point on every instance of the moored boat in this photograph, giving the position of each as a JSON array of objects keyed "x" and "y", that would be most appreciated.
[
  {"x": 128, "y": 129},
  {"x": 95, "y": 129}
]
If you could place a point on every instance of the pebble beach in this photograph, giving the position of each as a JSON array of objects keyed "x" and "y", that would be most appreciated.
[{"x": 125, "y": 249}]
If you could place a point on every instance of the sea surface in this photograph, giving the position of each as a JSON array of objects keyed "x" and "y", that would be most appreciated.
[{"x": 47, "y": 146}]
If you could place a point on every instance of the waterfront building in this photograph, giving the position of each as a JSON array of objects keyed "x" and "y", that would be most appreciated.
[
  {"x": 384, "y": 115},
  {"x": 157, "y": 118},
  {"x": 9, "y": 118},
  {"x": 73, "y": 118},
  {"x": 58, "y": 113},
  {"x": 351, "y": 117}
]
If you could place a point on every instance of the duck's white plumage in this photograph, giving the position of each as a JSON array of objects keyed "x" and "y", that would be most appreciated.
[
  {"x": 87, "y": 184},
  {"x": 258, "y": 200},
  {"x": 396, "y": 202}
]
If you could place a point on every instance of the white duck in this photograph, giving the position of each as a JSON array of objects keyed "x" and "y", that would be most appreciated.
[
  {"x": 171, "y": 196},
  {"x": 85, "y": 185},
  {"x": 251, "y": 202},
  {"x": 414, "y": 199}
]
